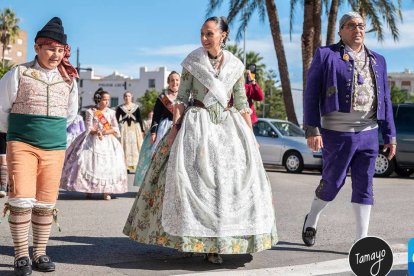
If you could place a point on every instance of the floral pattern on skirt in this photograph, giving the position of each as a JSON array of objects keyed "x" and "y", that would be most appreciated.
[{"x": 144, "y": 221}]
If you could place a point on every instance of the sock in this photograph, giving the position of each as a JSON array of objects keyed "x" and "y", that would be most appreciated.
[
  {"x": 362, "y": 214},
  {"x": 316, "y": 209},
  {"x": 41, "y": 224},
  {"x": 19, "y": 222},
  {"x": 3, "y": 176}
]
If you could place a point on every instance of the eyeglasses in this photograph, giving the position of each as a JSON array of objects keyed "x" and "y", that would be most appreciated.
[{"x": 352, "y": 27}]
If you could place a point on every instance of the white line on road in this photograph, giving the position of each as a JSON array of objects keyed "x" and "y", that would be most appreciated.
[{"x": 321, "y": 268}]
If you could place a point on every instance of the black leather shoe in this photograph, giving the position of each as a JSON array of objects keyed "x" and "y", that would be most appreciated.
[
  {"x": 23, "y": 266},
  {"x": 308, "y": 234},
  {"x": 44, "y": 264}
]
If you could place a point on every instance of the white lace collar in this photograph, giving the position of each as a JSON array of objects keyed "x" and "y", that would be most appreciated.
[{"x": 220, "y": 88}]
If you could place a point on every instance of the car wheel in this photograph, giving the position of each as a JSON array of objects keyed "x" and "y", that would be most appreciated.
[
  {"x": 404, "y": 172},
  {"x": 293, "y": 162},
  {"x": 383, "y": 166}
]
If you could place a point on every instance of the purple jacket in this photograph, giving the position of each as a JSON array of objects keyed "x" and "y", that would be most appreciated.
[{"x": 329, "y": 88}]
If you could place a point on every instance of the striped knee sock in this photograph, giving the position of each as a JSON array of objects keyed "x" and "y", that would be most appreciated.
[
  {"x": 3, "y": 176},
  {"x": 19, "y": 222},
  {"x": 41, "y": 224}
]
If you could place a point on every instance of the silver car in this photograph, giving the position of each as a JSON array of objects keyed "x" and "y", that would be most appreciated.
[{"x": 283, "y": 143}]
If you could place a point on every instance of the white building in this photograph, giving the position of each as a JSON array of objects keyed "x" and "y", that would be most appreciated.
[
  {"x": 403, "y": 80},
  {"x": 116, "y": 84}
]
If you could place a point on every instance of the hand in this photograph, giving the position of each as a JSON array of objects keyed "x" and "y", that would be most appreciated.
[
  {"x": 392, "y": 148},
  {"x": 315, "y": 143},
  {"x": 153, "y": 138},
  {"x": 100, "y": 135}
]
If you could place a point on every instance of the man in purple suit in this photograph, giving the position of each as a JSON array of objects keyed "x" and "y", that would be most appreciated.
[{"x": 346, "y": 99}]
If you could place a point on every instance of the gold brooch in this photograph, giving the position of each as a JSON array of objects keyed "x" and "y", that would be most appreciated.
[
  {"x": 345, "y": 57},
  {"x": 35, "y": 74}
]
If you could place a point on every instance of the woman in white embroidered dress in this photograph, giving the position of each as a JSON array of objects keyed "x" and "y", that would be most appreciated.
[
  {"x": 95, "y": 162},
  {"x": 211, "y": 194},
  {"x": 132, "y": 130}
]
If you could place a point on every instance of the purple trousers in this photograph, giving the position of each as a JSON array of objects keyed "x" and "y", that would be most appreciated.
[{"x": 344, "y": 150}]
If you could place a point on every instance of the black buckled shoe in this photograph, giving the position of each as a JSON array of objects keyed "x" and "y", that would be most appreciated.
[
  {"x": 44, "y": 264},
  {"x": 308, "y": 234},
  {"x": 23, "y": 266}
]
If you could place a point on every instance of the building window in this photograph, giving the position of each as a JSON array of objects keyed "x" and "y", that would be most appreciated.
[
  {"x": 151, "y": 83},
  {"x": 406, "y": 85},
  {"x": 19, "y": 41},
  {"x": 114, "y": 101},
  {"x": 19, "y": 54}
]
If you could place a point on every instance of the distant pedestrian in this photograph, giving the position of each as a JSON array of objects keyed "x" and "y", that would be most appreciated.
[
  {"x": 37, "y": 100},
  {"x": 132, "y": 130},
  {"x": 346, "y": 99},
  {"x": 95, "y": 161}
]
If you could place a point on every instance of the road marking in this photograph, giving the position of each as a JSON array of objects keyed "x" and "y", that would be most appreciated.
[{"x": 321, "y": 268}]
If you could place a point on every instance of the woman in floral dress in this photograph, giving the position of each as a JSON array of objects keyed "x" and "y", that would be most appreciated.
[
  {"x": 206, "y": 189},
  {"x": 161, "y": 123}
]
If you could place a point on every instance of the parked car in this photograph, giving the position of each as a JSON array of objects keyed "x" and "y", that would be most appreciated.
[
  {"x": 403, "y": 162},
  {"x": 283, "y": 143}
]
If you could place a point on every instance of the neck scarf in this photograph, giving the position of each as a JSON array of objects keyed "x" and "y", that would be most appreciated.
[
  {"x": 219, "y": 85},
  {"x": 66, "y": 70}
]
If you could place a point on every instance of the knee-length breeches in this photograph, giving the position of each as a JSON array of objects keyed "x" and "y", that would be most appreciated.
[
  {"x": 344, "y": 150},
  {"x": 33, "y": 172}
]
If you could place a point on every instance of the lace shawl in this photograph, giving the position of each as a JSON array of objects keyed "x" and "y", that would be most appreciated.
[{"x": 198, "y": 64}]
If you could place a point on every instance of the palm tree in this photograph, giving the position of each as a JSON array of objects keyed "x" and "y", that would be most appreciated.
[
  {"x": 372, "y": 10},
  {"x": 333, "y": 14},
  {"x": 9, "y": 29},
  {"x": 246, "y": 8}
]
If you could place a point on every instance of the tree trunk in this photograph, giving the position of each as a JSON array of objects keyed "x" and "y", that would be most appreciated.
[
  {"x": 333, "y": 14},
  {"x": 281, "y": 60},
  {"x": 317, "y": 25},
  {"x": 307, "y": 39},
  {"x": 3, "y": 52}
]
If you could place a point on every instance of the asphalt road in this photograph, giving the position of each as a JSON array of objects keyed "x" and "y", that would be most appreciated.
[{"x": 92, "y": 243}]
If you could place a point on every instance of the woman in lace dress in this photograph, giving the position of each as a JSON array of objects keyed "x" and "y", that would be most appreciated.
[
  {"x": 206, "y": 190},
  {"x": 95, "y": 162},
  {"x": 132, "y": 130}
]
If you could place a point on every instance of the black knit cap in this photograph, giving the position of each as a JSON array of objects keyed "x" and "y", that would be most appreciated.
[{"x": 53, "y": 30}]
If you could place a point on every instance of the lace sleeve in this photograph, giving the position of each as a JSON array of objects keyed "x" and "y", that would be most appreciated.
[
  {"x": 240, "y": 99},
  {"x": 186, "y": 86}
]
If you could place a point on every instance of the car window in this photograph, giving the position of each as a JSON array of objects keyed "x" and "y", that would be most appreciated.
[
  {"x": 289, "y": 129},
  {"x": 405, "y": 118},
  {"x": 262, "y": 129}
]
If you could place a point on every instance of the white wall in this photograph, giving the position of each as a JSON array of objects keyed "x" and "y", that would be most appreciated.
[{"x": 115, "y": 84}]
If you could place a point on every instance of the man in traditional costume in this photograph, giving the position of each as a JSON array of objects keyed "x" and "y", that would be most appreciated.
[
  {"x": 37, "y": 100},
  {"x": 346, "y": 99}
]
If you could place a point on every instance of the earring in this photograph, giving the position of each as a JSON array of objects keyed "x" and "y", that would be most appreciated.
[{"x": 222, "y": 44}]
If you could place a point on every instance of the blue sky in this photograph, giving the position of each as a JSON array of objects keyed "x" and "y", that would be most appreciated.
[{"x": 124, "y": 35}]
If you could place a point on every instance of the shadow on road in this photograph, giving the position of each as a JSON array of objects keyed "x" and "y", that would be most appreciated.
[
  {"x": 180, "y": 263},
  {"x": 66, "y": 195},
  {"x": 123, "y": 253},
  {"x": 290, "y": 246}
]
